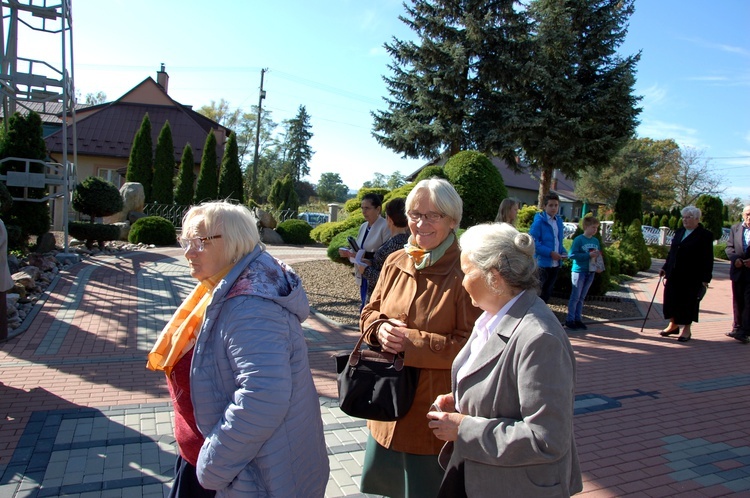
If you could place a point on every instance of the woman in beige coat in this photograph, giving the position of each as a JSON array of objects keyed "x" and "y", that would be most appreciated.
[
  {"x": 508, "y": 423},
  {"x": 420, "y": 288}
]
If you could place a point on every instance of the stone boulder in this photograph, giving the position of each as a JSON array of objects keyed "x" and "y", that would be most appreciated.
[
  {"x": 270, "y": 237},
  {"x": 265, "y": 218},
  {"x": 45, "y": 243},
  {"x": 133, "y": 199},
  {"x": 27, "y": 277},
  {"x": 44, "y": 263}
]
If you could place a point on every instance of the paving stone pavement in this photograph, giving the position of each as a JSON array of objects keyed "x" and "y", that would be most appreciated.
[{"x": 81, "y": 416}]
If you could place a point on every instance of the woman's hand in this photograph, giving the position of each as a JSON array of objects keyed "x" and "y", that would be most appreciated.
[
  {"x": 346, "y": 253},
  {"x": 392, "y": 337},
  {"x": 445, "y": 425},
  {"x": 662, "y": 273},
  {"x": 444, "y": 403}
]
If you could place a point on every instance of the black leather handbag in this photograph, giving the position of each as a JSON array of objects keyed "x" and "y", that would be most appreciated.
[{"x": 375, "y": 385}]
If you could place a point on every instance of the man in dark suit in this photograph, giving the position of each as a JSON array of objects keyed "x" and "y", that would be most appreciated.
[{"x": 739, "y": 274}]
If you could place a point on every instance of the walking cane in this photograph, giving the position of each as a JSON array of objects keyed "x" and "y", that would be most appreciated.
[{"x": 652, "y": 303}]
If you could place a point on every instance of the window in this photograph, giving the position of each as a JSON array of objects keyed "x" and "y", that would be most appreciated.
[{"x": 111, "y": 175}]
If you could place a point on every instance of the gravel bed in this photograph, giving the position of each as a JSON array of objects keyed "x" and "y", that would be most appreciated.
[{"x": 332, "y": 291}]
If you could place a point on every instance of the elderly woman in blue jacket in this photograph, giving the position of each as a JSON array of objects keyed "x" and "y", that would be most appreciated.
[
  {"x": 247, "y": 418},
  {"x": 547, "y": 230}
]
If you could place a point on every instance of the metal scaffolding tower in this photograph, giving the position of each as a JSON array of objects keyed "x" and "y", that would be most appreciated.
[{"x": 33, "y": 79}]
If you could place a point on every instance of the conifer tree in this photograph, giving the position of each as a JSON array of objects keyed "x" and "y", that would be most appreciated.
[
  {"x": 141, "y": 162},
  {"x": 208, "y": 181},
  {"x": 184, "y": 191},
  {"x": 581, "y": 107},
  {"x": 297, "y": 147},
  {"x": 455, "y": 87},
  {"x": 230, "y": 177},
  {"x": 162, "y": 190}
]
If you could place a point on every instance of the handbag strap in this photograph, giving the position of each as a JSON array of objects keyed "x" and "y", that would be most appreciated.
[{"x": 397, "y": 359}]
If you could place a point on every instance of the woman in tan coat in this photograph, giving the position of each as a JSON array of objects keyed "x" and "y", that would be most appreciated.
[{"x": 420, "y": 289}]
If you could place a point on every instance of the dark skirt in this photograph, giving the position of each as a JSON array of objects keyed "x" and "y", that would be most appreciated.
[
  {"x": 185, "y": 484},
  {"x": 682, "y": 299},
  {"x": 399, "y": 475}
]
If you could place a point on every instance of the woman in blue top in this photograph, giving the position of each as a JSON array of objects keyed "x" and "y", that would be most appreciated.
[{"x": 584, "y": 250}]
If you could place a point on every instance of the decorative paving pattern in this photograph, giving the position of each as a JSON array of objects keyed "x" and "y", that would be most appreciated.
[{"x": 707, "y": 463}]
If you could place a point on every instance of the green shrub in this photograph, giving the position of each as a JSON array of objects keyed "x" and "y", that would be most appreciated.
[
  {"x": 657, "y": 251},
  {"x": 654, "y": 221},
  {"x": 673, "y": 221},
  {"x": 295, "y": 232},
  {"x": 525, "y": 217},
  {"x": 633, "y": 250},
  {"x": 95, "y": 197},
  {"x": 663, "y": 221},
  {"x": 403, "y": 191},
  {"x": 627, "y": 208},
  {"x": 93, "y": 232},
  {"x": 720, "y": 251},
  {"x": 431, "y": 172},
  {"x": 153, "y": 230},
  {"x": 325, "y": 232},
  {"x": 479, "y": 184},
  {"x": 339, "y": 240}
]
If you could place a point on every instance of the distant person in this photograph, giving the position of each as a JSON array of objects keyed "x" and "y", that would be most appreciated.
[
  {"x": 508, "y": 211},
  {"x": 247, "y": 416},
  {"x": 6, "y": 281},
  {"x": 687, "y": 272},
  {"x": 372, "y": 234},
  {"x": 395, "y": 217},
  {"x": 547, "y": 230},
  {"x": 508, "y": 422},
  {"x": 583, "y": 252},
  {"x": 420, "y": 291},
  {"x": 739, "y": 274}
]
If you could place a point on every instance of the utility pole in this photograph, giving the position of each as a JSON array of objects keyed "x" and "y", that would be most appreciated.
[{"x": 254, "y": 184}]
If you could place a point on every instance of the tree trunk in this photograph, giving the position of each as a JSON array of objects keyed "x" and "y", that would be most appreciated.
[{"x": 545, "y": 180}]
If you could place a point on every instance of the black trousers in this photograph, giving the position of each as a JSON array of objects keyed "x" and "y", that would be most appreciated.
[
  {"x": 547, "y": 279},
  {"x": 741, "y": 303}
]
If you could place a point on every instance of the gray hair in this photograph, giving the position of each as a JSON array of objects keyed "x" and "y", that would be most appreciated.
[
  {"x": 501, "y": 247},
  {"x": 442, "y": 194},
  {"x": 235, "y": 223},
  {"x": 692, "y": 211}
]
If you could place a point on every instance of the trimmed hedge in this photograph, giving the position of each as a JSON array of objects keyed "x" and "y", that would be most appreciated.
[
  {"x": 339, "y": 240},
  {"x": 93, "y": 232},
  {"x": 295, "y": 232},
  {"x": 153, "y": 230},
  {"x": 325, "y": 232}
]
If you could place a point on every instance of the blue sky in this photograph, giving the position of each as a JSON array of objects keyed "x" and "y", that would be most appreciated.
[{"x": 694, "y": 73}]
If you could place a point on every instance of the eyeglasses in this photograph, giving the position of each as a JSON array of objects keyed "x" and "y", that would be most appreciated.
[
  {"x": 197, "y": 243},
  {"x": 431, "y": 217}
]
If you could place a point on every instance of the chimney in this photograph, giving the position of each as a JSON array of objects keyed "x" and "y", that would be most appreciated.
[
  {"x": 553, "y": 185},
  {"x": 162, "y": 78}
]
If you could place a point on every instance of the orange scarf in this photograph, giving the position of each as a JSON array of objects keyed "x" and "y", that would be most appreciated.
[{"x": 179, "y": 334}]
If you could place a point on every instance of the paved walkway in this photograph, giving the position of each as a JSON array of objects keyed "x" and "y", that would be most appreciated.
[{"x": 81, "y": 416}]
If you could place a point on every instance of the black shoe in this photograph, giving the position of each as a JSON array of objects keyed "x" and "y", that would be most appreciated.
[
  {"x": 742, "y": 338},
  {"x": 581, "y": 325},
  {"x": 668, "y": 332},
  {"x": 571, "y": 325},
  {"x": 683, "y": 339}
]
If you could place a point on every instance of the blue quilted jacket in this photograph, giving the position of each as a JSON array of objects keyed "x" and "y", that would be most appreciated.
[
  {"x": 252, "y": 390},
  {"x": 544, "y": 239}
]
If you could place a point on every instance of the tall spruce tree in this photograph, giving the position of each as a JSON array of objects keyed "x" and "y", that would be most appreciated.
[
  {"x": 184, "y": 191},
  {"x": 230, "y": 177},
  {"x": 24, "y": 139},
  {"x": 141, "y": 162},
  {"x": 455, "y": 88},
  {"x": 296, "y": 144},
  {"x": 580, "y": 105},
  {"x": 207, "y": 187},
  {"x": 162, "y": 190}
]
